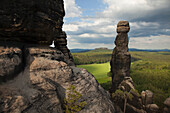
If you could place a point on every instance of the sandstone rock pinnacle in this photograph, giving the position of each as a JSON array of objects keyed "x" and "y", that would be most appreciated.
[{"x": 121, "y": 59}]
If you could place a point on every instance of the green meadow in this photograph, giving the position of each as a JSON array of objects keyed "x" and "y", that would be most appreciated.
[
  {"x": 149, "y": 70},
  {"x": 100, "y": 72}
]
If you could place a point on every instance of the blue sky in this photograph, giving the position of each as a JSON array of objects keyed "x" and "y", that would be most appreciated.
[{"x": 92, "y": 23}]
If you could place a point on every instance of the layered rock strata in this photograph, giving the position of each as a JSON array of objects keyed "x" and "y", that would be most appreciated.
[
  {"x": 33, "y": 22},
  {"x": 121, "y": 59}
]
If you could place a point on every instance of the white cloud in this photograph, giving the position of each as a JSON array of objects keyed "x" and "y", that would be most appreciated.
[
  {"x": 70, "y": 27},
  {"x": 73, "y": 44},
  {"x": 144, "y": 22},
  {"x": 72, "y": 9},
  {"x": 152, "y": 42},
  {"x": 132, "y": 9}
]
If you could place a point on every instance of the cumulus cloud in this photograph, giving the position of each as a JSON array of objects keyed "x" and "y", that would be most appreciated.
[
  {"x": 151, "y": 42},
  {"x": 132, "y": 9},
  {"x": 72, "y": 9},
  {"x": 149, "y": 20}
]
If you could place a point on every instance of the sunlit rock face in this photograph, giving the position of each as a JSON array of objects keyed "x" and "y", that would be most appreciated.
[{"x": 120, "y": 62}]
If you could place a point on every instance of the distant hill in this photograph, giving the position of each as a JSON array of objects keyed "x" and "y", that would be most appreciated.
[
  {"x": 80, "y": 50},
  {"x": 101, "y": 50},
  {"x": 149, "y": 50},
  {"x": 109, "y": 50}
]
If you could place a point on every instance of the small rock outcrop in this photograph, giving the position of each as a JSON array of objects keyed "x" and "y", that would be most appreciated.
[
  {"x": 34, "y": 77},
  {"x": 121, "y": 59},
  {"x": 147, "y": 97},
  {"x": 152, "y": 108},
  {"x": 167, "y": 106}
]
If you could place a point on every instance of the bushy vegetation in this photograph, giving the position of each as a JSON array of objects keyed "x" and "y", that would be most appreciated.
[
  {"x": 149, "y": 70},
  {"x": 152, "y": 72},
  {"x": 123, "y": 95},
  {"x": 94, "y": 56},
  {"x": 72, "y": 103}
]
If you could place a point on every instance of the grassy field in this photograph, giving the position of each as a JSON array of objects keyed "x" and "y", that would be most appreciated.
[
  {"x": 100, "y": 72},
  {"x": 150, "y": 70}
]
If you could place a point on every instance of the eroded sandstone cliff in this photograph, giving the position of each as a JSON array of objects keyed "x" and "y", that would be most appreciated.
[
  {"x": 33, "y": 77},
  {"x": 41, "y": 86}
]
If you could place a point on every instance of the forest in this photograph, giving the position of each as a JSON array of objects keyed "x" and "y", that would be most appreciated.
[{"x": 149, "y": 70}]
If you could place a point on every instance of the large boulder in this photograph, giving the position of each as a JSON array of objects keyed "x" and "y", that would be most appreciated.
[{"x": 123, "y": 27}]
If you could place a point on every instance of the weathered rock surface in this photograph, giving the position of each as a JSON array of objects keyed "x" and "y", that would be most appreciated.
[
  {"x": 121, "y": 59},
  {"x": 152, "y": 108},
  {"x": 134, "y": 102},
  {"x": 123, "y": 27},
  {"x": 127, "y": 84},
  {"x": 11, "y": 62},
  {"x": 167, "y": 105},
  {"x": 147, "y": 97},
  {"x": 125, "y": 95},
  {"x": 41, "y": 87},
  {"x": 31, "y": 21}
]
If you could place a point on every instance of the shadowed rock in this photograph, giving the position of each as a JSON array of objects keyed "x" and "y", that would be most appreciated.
[
  {"x": 31, "y": 21},
  {"x": 121, "y": 59},
  {"x": 167, "y": 105}
]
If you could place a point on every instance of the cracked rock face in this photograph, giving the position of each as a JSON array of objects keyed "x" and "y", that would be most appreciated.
[{"x": 42, "y": 86}]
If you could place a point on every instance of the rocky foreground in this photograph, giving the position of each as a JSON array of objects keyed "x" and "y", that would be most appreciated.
[{"x": 42, "y": 78}]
